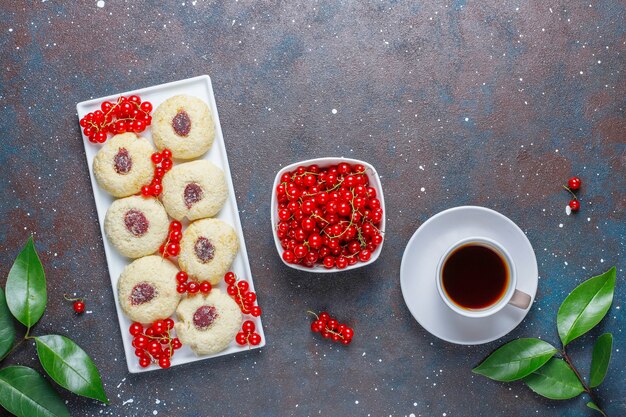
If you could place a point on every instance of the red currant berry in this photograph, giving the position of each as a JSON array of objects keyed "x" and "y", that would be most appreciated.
[
  {"x": 289, "y": 257},
  {"x": 181, "y": 288},
  {"x": 146, "y": 106},
  {"x": 176, "y": 225},
  {"x": 574, "y": 205},
  {"x": 159, "y": 172},
  {"x": 176, "y": 343},
  {"x": 241, "y": 338},
  {"x": 324, "y": 317},
  {"x": 164, "y": 362},
  {"x": 173, "y": 249},
  {"x": 166, "y": 153},
  {"x": 329, "y": 262},
  {"x": 250, "y": 297},
  {"x": 144, "y": 361},
  {"x": 158, "y": 326},
  {"x": 145, "y": 191},
  {"x": 169, "y": 323},
  {"x": 182, "y": 277},
  {"x": 574, "y": 183},
  {"x": 231, "y": 290},
  {"x": 79, "y": 306},
  {"x": 167, "y": 164},
  {"x": 140, "y": 341},
  {"x": 365, "y": 255},
  {"x": 255, "y": 311},
  {"x": 193, "y": 287},
  {"x": 254, "y": 339},
  {"x": 205, "y": 287},
  {"x": 243, "y": 286},
  {"x": 347, "y": 333},
  {"x": 135, "y": 329},
  {"x": 248, "y": 326},
  {"x": 346, "y": 341},
  {"x": 156, "y": 158},
  {"x": 230, "y": 278},
  {"x": 138, "y": 126}
]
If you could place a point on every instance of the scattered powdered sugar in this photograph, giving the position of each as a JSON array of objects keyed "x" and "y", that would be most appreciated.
[
  {"x": 100, "y": 3},
  {"x": 129, "y": 401},
  {"x": 568, "y": 210}
]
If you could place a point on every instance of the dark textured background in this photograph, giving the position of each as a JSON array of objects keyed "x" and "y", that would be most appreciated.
[{"x": 498, "y": 102}]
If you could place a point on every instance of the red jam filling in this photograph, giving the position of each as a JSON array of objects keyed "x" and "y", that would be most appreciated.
[
  {"x": 122, "y": 161},
  {"x": 136, "y": 222},
  {"x": 192, "y": 194},
  {"x": 181, "y": 123},
  {"x": 205, "y": 251},
  {"x": 204, "y": 317},
  {"x": 142, "y": 293}
]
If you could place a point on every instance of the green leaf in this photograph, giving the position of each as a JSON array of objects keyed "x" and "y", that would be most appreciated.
[
  {"x": 586, "y": 306},
  {"x": 70, "y": 366},
  {"x": 555, "y": 380},
  {"x": 7, "y": 330},
  {"x": 600, "y": 359},
  {"x": 26, "y": 286},
  {"x": 516, "y": 359},
  {"x": 25, "y": 393},
  {"x": 593, "y": 406}
]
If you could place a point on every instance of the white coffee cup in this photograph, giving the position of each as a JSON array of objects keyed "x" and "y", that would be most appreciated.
[{"x": 511, "y": 296}]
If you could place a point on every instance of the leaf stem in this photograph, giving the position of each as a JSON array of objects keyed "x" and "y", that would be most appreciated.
[
  {"x": 582, "y": 381},
  {"x": 15, "y": 346}
]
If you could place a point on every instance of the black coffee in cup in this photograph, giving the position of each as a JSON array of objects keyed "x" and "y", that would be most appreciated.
[{"x": 475, "y": 276}]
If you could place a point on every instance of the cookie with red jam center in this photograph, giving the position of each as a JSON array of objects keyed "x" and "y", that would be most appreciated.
[
  {"x": 208, "y": 324},
  {"x": 147, "y": 289},
  {"x": 136, "y": 226},
  {"x": 122, "y": 166},
  {"x": 183, "y": 124},
  {"x": 194, "y": 190},
  {"x": 207, "y": 249}
]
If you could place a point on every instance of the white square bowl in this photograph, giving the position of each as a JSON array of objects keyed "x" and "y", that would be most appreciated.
[{"x": 324, "y": 163}]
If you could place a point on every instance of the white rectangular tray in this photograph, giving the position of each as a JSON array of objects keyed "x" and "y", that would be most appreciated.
[{"x": 202, "y": 88}]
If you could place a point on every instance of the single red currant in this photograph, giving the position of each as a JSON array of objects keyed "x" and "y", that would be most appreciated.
[
  {"x": 205, "y": 287},
  {"x": 79, "y": 306},
  {"x": 135, "y": 329},
  {"x": 574, "y": 205},
  {"x": 574, "y": 183},
  {"x": 248, "y": 326},
  {"x": 230, "y": 278},
  {"x": 254, "y": 339}
]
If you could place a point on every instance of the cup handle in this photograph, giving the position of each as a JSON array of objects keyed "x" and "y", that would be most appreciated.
[{"x": 520, "y": 300}]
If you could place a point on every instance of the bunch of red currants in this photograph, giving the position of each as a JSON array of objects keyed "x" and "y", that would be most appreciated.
[
  {"x": 573, "y": 184},
  {"x": 328, "y": 216},
  {"x": 239, "y": 290},
  {"x": 247, "y": 335},
  {"x": 154, "y": 343},
  {"x": 192, "y": 287},
  {"x": 162, "y": 163},
  {"x": 330, "y": 328},
  {"x": 171, "y": 247},
  {"x": 126, "y": 114}
]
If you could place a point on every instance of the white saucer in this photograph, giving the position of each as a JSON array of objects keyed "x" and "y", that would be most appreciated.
[{"x": 419, "y": 264}]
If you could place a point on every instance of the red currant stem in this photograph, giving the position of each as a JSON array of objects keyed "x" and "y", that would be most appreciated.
[
  {"x": 317, "y": 216},
  {"x": 334, "y": 332},
  {"x": 72, "y": 299},
  {"x": 571, "y": 192},
  {"x": 316, "y": 316},
  {"x": 240, "y": 300}
]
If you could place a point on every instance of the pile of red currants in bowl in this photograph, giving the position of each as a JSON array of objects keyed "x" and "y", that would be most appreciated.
[{"x": 329, "y": 216}]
